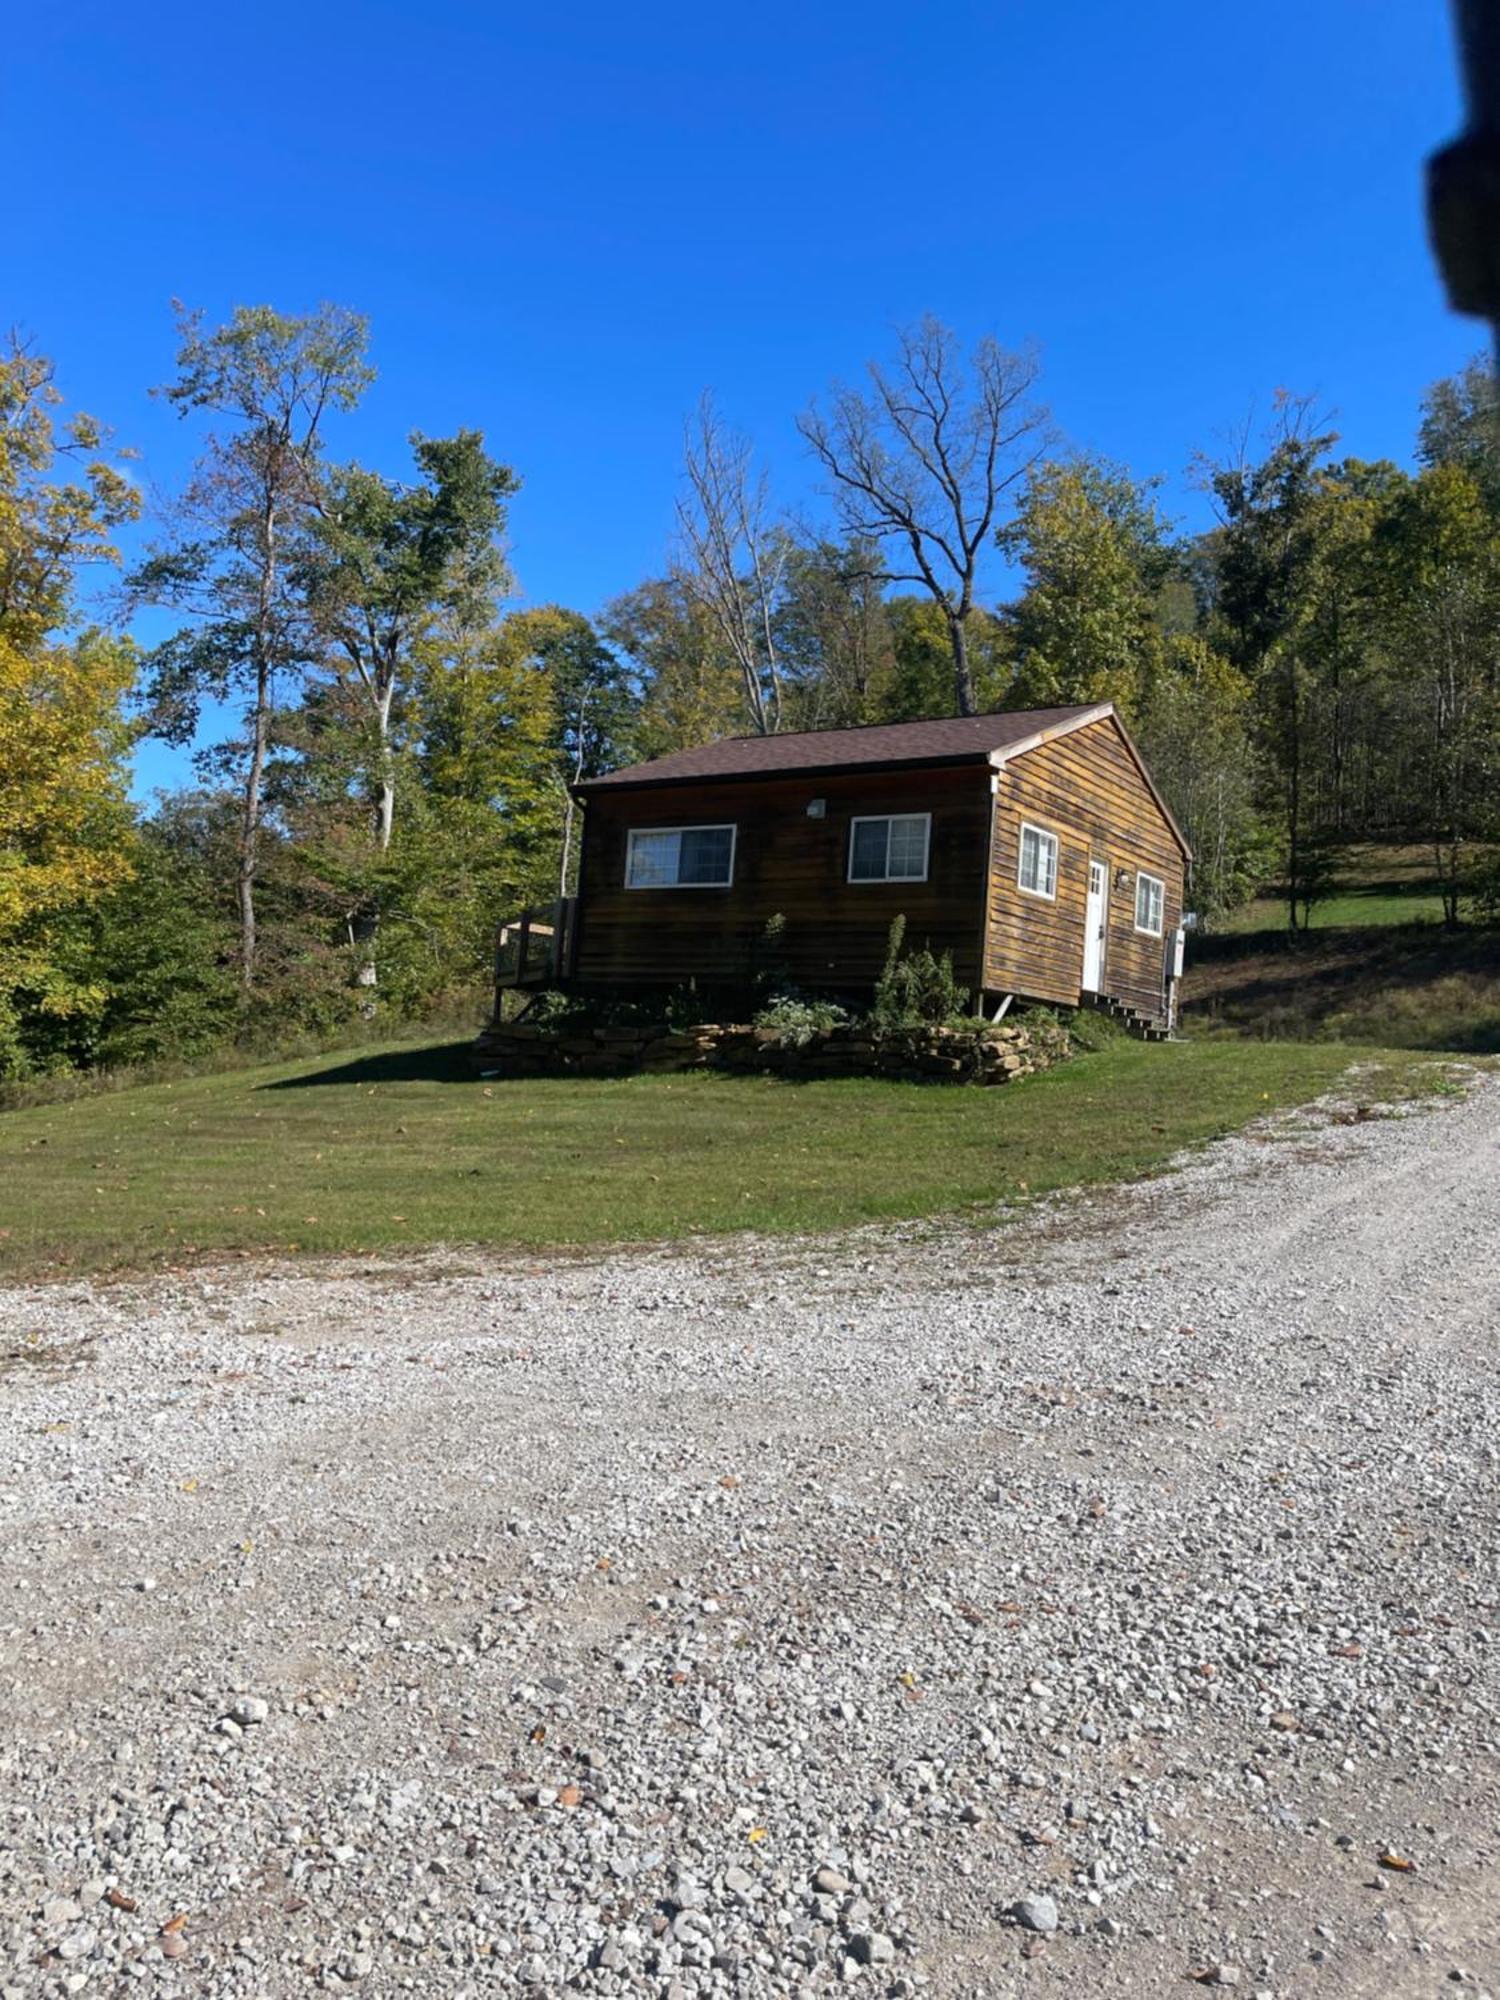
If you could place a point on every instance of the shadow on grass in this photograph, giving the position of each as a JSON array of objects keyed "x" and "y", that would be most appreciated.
[
  {"x": 449, "y": 1062},
  {"x": 1413, "y": 985}
]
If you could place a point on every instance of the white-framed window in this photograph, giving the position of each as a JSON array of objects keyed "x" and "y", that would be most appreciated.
[
  {"x": 1150, "y": 903},
  {"x": 679, "y": 857},
  {"x": 1036, "y": 871},
  {"x": 892, "y": 848}
]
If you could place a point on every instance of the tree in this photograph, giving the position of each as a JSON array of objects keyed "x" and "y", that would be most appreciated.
[
  {"x": 1461, "y": 427},
  {"x": 925, "y": 461},
  {"x": 1194, "y": 730},
  {"x": 834, "y": 628},
  {"x": 1095, "y": 556},
  {"x": 921, "y": 683},
  {"x": 1443, "y": 580},
  {"x": 687, "y": 683},
  {"x": 272, "y": 379},
  {"x": 591, "y": 705},
  {"x": 545, "y": 705},
  {"x": 158, "y": 951},
  {"x": 1276, "y": 518},
  {"x": 62, "y": 736},
  {"x": 380, "y": 564},
  {"x": 63, "y": 821},
  {"x": 735, "y": 557},
  {"x": 51, "y": 529}
]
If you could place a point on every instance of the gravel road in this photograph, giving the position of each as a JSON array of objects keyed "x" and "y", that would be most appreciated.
[{"x": 1086, "y": 1603}]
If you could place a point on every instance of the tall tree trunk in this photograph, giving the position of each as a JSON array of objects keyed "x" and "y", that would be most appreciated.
[
  {"x": 1294, "y": 858},
  {"x": 365, "y": 926},
  {"x": 248, "y": 863},
  {"x": 564, "y": 860},
  {"x": 385, "y": 803},
  {"x": 260, "y": 729},
  {"x": 963, "y": 679},
  {"x": 385, "y": 798}
]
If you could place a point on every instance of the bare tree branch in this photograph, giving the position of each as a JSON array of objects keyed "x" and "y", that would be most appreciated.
[
  {"x": 734, "y": 557},
  {"x": 925, "y": 458}
]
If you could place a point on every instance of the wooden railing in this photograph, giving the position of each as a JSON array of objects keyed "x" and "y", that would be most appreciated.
[{"x": 534, "y": 951}]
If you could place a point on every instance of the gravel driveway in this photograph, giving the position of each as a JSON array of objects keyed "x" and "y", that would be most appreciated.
[{"x": 777, "y": 1617}]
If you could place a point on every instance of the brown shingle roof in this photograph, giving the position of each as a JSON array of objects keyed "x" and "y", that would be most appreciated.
[{"x": 950, "y": 740}]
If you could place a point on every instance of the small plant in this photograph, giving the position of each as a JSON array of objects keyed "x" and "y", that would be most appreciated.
[
  {"x": 684, "y": 1007},
  {"x": 916, "y": 989},
  {"x": 767, "y": 956},
  {"x": 797, "y": 1017},
  {"x": 681, "y": 1007},
  {"x": 551, "y": 1009},
  {"x": 1088, "y": 1032}
]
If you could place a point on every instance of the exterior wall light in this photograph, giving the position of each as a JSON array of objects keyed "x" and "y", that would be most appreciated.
[{"x": 817, "y": 808}]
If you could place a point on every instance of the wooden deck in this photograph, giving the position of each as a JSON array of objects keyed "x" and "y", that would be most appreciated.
[{"x": 535, "y": 950}]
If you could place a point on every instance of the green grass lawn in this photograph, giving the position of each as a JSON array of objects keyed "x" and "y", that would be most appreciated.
[
  {"x": 1378, "y": 883},
  {"x": 404, "y": 1148}
]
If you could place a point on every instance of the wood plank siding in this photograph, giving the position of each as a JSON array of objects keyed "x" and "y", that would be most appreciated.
[
  {"x": 785, "y": 864},
  {"x": 1087, "y": 789}
]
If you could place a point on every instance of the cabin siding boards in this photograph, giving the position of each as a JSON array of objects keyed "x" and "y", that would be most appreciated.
[
  {"x": 1087, "y": 789},
  {"x": 789, "y": 865},
  {"x": 1082, "y": 784}
]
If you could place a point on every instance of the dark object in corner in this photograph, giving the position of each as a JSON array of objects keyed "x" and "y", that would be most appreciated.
[{"x": 1463, "y": 180}]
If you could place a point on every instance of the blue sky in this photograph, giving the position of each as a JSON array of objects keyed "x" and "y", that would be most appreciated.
[{"x": 563, "y": 228}]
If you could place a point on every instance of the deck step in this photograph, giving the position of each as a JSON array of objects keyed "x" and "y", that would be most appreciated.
[{"x": 1144, "y": 1027}]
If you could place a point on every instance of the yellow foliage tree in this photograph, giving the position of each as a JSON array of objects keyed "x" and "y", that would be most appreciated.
[{"x": 64, "y": 825}]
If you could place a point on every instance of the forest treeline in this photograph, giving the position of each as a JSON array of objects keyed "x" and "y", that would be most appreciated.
[{"x": 1321, "y": 665}]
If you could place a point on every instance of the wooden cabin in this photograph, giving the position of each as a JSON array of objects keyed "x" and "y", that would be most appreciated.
[{"x": 1032, "y": 845}]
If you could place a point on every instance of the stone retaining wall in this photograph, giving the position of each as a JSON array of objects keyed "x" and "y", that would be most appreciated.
[{"x": 945, "y": 1055}]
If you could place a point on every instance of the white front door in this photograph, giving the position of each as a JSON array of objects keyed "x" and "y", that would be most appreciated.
[{"x": 1095, "y": 917}]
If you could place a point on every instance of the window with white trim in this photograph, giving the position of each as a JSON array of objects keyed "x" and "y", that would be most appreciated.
[
  {"x": 1036, "y": 871},
  {"x": 679, "y": 857},
  {"x": 1150, "y": 903},
  {"x": 890, "y": 849}
]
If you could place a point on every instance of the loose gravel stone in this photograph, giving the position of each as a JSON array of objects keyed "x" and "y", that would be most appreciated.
[
  {"x": 1037, "y": 1913},
  {"x": 751, "y": 1618}
]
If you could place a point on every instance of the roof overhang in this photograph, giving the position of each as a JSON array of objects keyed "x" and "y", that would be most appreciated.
[
  {"x": 1104, "y": 711},
  {"x": 993, "y": 760},
  {"x": 586, "y": 787}
]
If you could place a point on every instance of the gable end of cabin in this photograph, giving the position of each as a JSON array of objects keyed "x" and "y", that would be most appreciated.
[{"x": 1087, "y": 875}]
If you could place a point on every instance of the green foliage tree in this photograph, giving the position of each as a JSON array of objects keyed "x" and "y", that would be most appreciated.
[
  {"x": 381, "y": 564},
  {"x": 687, "y": 683},
  {"x": 157, "y": 952},
  {"x": 546, "y": 704},
  {"x": 1460, "y": 427},
  {"x": 1094, "y": 553},
  {"x": 265, "y": 381},
  {"x": 1194, "y": 728},
  {"x": 921, "y": 678},
  {"x": 835, "y": 635},
  {"x": 1441, "y": 574},
  {"x": 1269, "y": 562}
]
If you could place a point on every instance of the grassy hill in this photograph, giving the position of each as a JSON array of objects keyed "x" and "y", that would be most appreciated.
[
  {"x": 401, "y": 1147},
  {"x": 1378, "y": 884},
  {"x": 404, "y": 1148},
  {"x": 1375, "y": 966}
]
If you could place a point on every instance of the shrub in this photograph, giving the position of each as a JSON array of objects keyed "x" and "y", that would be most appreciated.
[
  {"x": 798, "y": 1017},
  {"x": 681, "y": 1007},
  {"x": 916, "y": 989},
  {"x": 1087, "y": 1031}
]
